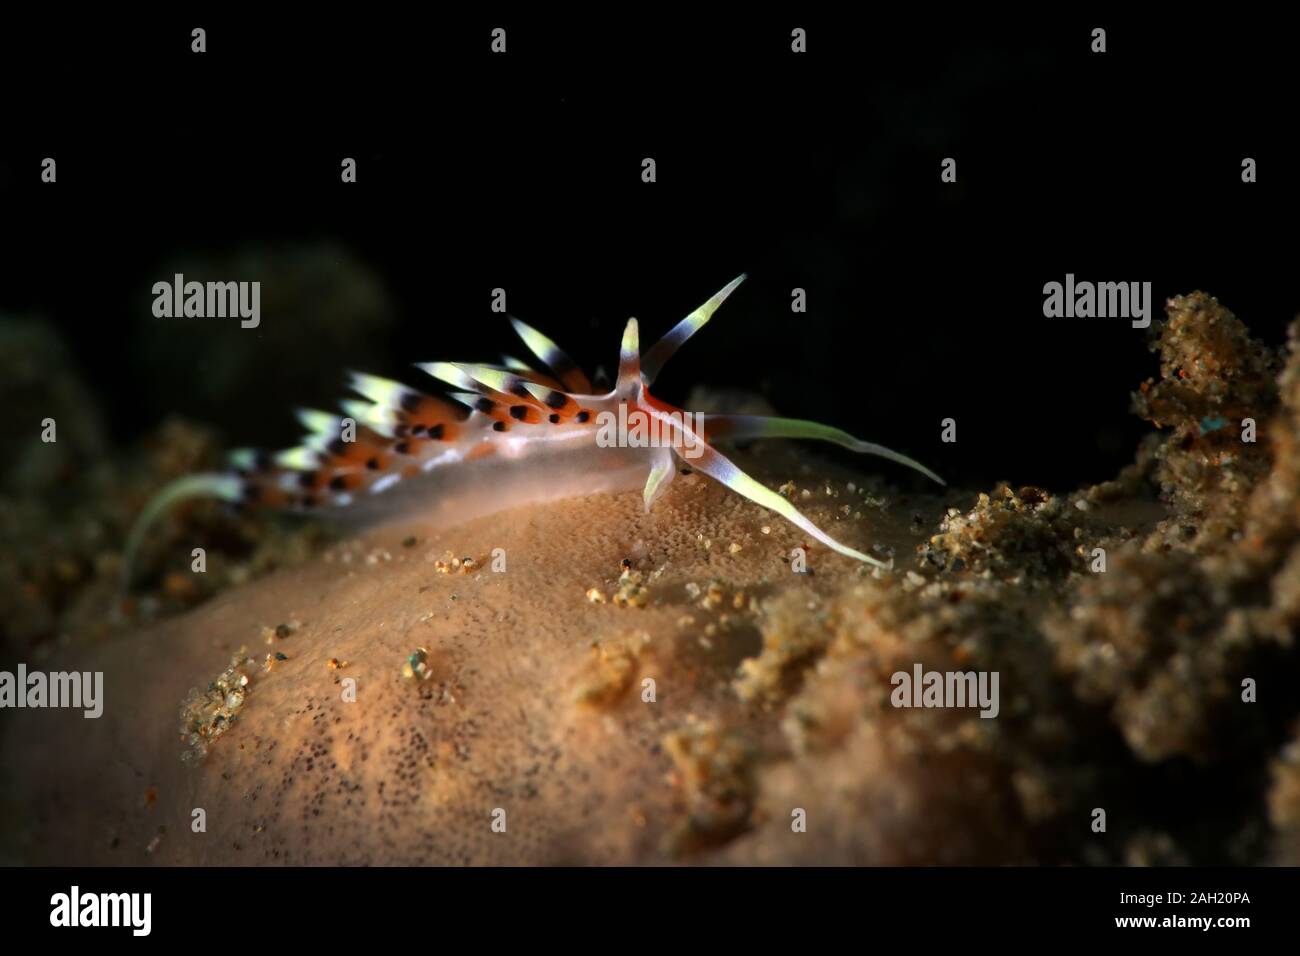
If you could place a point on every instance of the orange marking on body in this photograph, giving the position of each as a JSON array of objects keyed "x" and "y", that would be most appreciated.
[{"x": 428, "y": 411}]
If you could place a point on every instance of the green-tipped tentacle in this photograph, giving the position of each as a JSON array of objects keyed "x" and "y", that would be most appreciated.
[
  {"x": 717, "y": 466},
  {"x": 629, "y": 360},
  {"x": 554, "y": 358},
  {"x": 659, "y": 353},
  {"x": 661, "y": 475},
  {"x": 742, "y": 427}
]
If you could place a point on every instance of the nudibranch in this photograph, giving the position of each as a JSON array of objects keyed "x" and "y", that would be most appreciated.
[{"x": 506, "y": 435}]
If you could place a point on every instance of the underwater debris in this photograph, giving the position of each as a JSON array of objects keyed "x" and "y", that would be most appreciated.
[
  {"x": 790, "y": 641},
  {"x": 611, "y": 670},
  {"x": 207, "y": 714},
  {"x": 1027, "y": 533},
  {"x": 449, "y": 564},
  {"x": 1143, "y": 638},
  {"x": 416, "y": 669},
  {"x": 631, "y": 592},
  {"x": 280, "y": 632},
  {"x": 714, "y": 773},
  {"x": 1214, "y": 378},
  {"x": 715, "y": 594},
  {"x": 1212, "y": 591},
  {"x": 152, "y": 846}
]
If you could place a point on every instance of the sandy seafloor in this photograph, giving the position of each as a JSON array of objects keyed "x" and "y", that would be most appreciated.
[{"x": 479, "y": 691}]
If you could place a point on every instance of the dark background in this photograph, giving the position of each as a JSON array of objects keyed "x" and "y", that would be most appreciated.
[{"x": 523, "y": 171}]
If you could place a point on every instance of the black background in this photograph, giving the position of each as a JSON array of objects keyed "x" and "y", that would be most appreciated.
[{"x": 819, "y": 171}]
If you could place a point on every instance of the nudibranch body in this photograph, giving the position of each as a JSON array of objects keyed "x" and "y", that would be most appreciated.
[{"x": 506, "y": 435}]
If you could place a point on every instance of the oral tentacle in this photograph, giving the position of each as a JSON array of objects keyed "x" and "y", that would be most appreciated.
[
  {"x": 717, "y": 466},
  {"x": 742, "y": 427}
]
